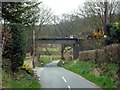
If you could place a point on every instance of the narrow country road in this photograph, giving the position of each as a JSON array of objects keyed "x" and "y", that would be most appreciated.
[{"x": 52, "y": 76}]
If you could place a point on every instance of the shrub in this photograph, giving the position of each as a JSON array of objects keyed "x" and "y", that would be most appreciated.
[
  {"x": 113, "y": 33},
  {"x": 28, "y": 69},
  {"x": 107, "y": 54},
  {"x": 61, "y": 63}
]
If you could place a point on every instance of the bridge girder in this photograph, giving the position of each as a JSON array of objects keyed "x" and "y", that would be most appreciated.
[{"x": 75, "y": 42}]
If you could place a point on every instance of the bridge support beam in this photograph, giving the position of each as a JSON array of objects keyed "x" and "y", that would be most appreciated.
[{"x": 76, "y": 49}]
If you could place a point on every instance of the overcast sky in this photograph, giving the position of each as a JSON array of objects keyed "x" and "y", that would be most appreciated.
[{"x": 63, "y": 6}]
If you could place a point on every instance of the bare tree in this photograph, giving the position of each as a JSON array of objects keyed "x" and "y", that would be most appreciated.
[
  {"x": 95, "y": 10},
  {"x": 71, "y": 24},
  {"x": 64, "y": 25},
  {"x": 45, "y": 15}
]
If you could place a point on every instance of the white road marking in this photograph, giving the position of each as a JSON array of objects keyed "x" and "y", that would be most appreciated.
[
  {"x": 64, "y": 79},
  {"x": 83, "y": 78},
  {"x": 69, "y": 87}
]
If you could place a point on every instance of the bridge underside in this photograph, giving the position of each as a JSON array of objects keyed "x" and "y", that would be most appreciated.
[{"x": 75, "y": 42}]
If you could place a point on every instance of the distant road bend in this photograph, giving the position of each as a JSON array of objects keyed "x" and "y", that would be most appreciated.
[{"x": 52, "y": 76}]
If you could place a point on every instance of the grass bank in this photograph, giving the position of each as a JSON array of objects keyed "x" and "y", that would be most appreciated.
[
  {"x": 85, "y": 69},
  {"x": 23, "y": 80},
  {"x": 0, "y": 77}
]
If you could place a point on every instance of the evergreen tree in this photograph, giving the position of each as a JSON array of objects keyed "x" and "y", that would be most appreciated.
[
  {"x": 15, "y": 49},
  {"x": 16, "y": 16}
]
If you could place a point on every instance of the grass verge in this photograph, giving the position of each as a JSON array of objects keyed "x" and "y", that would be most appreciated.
[
  {"x": 85, "y": 69},
  {"x": 23, "y": 80},
  {"x": 43, "y": 60},
  {"x": 0, "y": 77}
]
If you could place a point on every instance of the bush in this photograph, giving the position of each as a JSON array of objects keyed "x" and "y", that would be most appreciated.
[
  {"x": 43, "y": 60},
  {"x": 28, "y": 69},
  {"x": 113, "y": 33},
  {"x": 61, "y": 63},
  {"x": 107, "y": 54}
]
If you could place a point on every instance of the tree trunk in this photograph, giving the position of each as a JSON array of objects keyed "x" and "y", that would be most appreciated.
[{"x": 9, "y": 68}]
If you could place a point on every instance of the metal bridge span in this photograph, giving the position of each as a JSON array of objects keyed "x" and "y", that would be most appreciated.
[{"x": 75, "y": 42}]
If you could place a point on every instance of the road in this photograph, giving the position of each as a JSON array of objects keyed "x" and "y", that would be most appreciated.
[{"x": 52, "y": 76}]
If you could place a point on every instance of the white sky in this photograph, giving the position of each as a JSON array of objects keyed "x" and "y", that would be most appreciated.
[{"x": 63, "y": 6}]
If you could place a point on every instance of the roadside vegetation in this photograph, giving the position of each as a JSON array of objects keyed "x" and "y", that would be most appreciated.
[
  {"x": 86, "y": 69},
  {"x": 0, "y": 77},
  {"x": 17, "y": 27},
  {"x": 22, "y": 80},
  {"x": 43, "y": 60}
]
